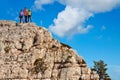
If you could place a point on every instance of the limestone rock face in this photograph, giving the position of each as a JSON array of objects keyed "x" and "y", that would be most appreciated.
[{"x": 29, "y": 52}]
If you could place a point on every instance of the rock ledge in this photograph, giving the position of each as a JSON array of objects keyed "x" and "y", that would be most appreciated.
[{"x": 28, "y": 52}]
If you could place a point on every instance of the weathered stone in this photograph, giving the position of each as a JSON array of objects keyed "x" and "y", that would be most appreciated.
[{"x": 29, "y": 52}]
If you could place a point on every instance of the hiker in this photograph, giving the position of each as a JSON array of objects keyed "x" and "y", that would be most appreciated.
[
  {"x": 26, "y": 15},
  {"x": 29, "y": 16},
  {"x": 21, "y": 16}
]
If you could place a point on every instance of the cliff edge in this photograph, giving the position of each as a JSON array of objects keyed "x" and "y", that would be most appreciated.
[{"x": 29, "y": 52}]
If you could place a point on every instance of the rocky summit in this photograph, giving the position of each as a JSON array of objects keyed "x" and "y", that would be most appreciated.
[{"x": 29, "y": 52}]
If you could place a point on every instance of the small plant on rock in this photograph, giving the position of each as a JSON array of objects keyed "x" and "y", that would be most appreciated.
[
  {"x": 7, "y": 49},
  {"x": 39, "y": 66},
  {"x": 68, "y": 59}
]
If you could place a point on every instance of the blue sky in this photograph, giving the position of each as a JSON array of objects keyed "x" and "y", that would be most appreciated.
[{"x": 91, "y": 27}]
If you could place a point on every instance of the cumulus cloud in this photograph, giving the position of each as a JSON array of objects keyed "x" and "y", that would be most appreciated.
[
  {"x": 95, "y": 6},
  {"x": 38, "y": 3},
  {"x": 72, "y": 19}
]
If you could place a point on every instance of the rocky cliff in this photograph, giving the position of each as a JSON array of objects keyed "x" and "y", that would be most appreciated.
[{"x": 29, "y": 52}]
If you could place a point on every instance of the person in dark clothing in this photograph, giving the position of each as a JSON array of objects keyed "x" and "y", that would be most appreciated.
[{"x": 21, "y": 15}]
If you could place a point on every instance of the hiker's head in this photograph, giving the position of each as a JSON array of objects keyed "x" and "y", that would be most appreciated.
[{"x": 25, "y": 8}]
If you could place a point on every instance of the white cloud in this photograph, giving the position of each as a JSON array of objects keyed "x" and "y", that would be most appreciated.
[
  {"x": 101, "y": 6},
  {"x": 71, "y": 20},
  {"x": 92, "y": 5},
  {"x": 38, "y": 3}
]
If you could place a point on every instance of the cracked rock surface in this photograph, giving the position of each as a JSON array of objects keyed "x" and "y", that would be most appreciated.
[{"x": 29, "y": 52}]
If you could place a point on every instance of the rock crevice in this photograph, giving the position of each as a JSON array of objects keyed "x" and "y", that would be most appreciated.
[{"x": 30, "y": 52}]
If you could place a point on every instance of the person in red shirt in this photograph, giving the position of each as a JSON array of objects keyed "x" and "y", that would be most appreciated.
[{"x": 25, "y": 14}]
